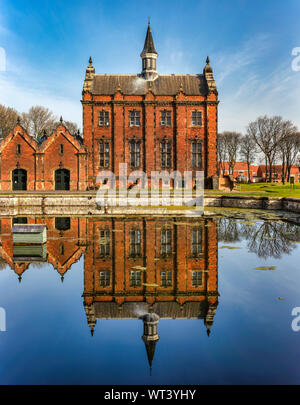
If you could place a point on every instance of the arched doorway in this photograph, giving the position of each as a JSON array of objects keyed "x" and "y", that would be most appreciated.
[
  {"x": 19, "y": 179},
  {"x": 62, "y": 179}
]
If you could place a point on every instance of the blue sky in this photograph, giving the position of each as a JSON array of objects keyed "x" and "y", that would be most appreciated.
[{"x": 48, "y": 43}]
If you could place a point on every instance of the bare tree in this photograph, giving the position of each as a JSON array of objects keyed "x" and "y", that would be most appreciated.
[
  {"x": 231, "y": 140},
  {"x": 272, "y": 239},
  {"x": 289, "y": 153},
  {"x": 8, "y": 118},
  {"x": 268, "y": 134},
  {"x": 248, "y": 151},
  {"x": 71, "y": 126},
  {"x": 222, "y": 153},
  {"x": 228, "y": 230},
  {"x": 38, "y": 120}
]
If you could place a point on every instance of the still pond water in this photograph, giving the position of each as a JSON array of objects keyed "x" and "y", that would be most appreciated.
[{"x": 223, "y": 286}]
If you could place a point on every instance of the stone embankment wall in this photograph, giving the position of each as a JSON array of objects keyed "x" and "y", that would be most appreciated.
[
  {"x": 270, "y": 203},
  {"x": 86, "y": 204}
]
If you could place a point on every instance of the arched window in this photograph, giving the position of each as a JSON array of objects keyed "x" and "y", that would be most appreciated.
[
  {"x": 19, "y": 179},
  {"x": 62, "y": 179}
]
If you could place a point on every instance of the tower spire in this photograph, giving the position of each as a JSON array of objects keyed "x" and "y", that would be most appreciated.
[
  {"x": 150, "y": 336},
  {"x": 149, "y": 56}
]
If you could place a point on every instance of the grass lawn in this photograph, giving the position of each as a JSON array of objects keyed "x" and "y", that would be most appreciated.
[
  {"x": 265, "y": 189},
  {"x": 252, "y": 189}
]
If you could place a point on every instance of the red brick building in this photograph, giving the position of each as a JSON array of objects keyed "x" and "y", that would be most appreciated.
[
  {"x": 56, "y": 162},
  {"x": 150, "y": 121}
]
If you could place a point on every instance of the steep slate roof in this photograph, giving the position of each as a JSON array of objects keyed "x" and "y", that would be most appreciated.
[
  {"x": 149, "y": 44},
  {"x": 110, "y": 310},
  {"x": 164, "y": 85}
]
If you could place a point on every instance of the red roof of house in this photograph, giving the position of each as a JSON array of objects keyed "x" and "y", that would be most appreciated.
[
  {"x": 237, "y": 166},
  {"x": 278, "y": 168},
  {"x": 256, "y": 168}
]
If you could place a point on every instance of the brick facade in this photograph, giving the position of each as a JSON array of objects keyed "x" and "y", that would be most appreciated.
[{"x": 41, "y": 160}]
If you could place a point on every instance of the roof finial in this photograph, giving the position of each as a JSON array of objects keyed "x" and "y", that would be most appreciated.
[
  {"x": 90, "y": 61},
  {"x": 148, "y": 20},
  {"x": 18, "y": 120},
  {"x": 119, "y": 85},
  {"x": 207, "y": 68},
  {"x": 61, "y": 119}
]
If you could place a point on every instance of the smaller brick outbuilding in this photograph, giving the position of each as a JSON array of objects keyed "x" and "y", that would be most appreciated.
[{"x": 56, "y": 162}]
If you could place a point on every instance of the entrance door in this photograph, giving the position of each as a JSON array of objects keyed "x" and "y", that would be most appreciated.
[
  {"x": 19, "y": 179},
  {"x": 62, "y": 179}
]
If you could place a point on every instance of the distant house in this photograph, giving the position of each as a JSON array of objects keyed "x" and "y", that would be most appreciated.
[
  {"x": 255, "y": 175},
  {"x": 257, "y": 172},
  {"x": 239, "y": 172},
  {"x": 277, "y": 173}
]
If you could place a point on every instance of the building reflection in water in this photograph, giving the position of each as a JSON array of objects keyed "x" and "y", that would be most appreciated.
[{"x": 148, "y": 269}]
